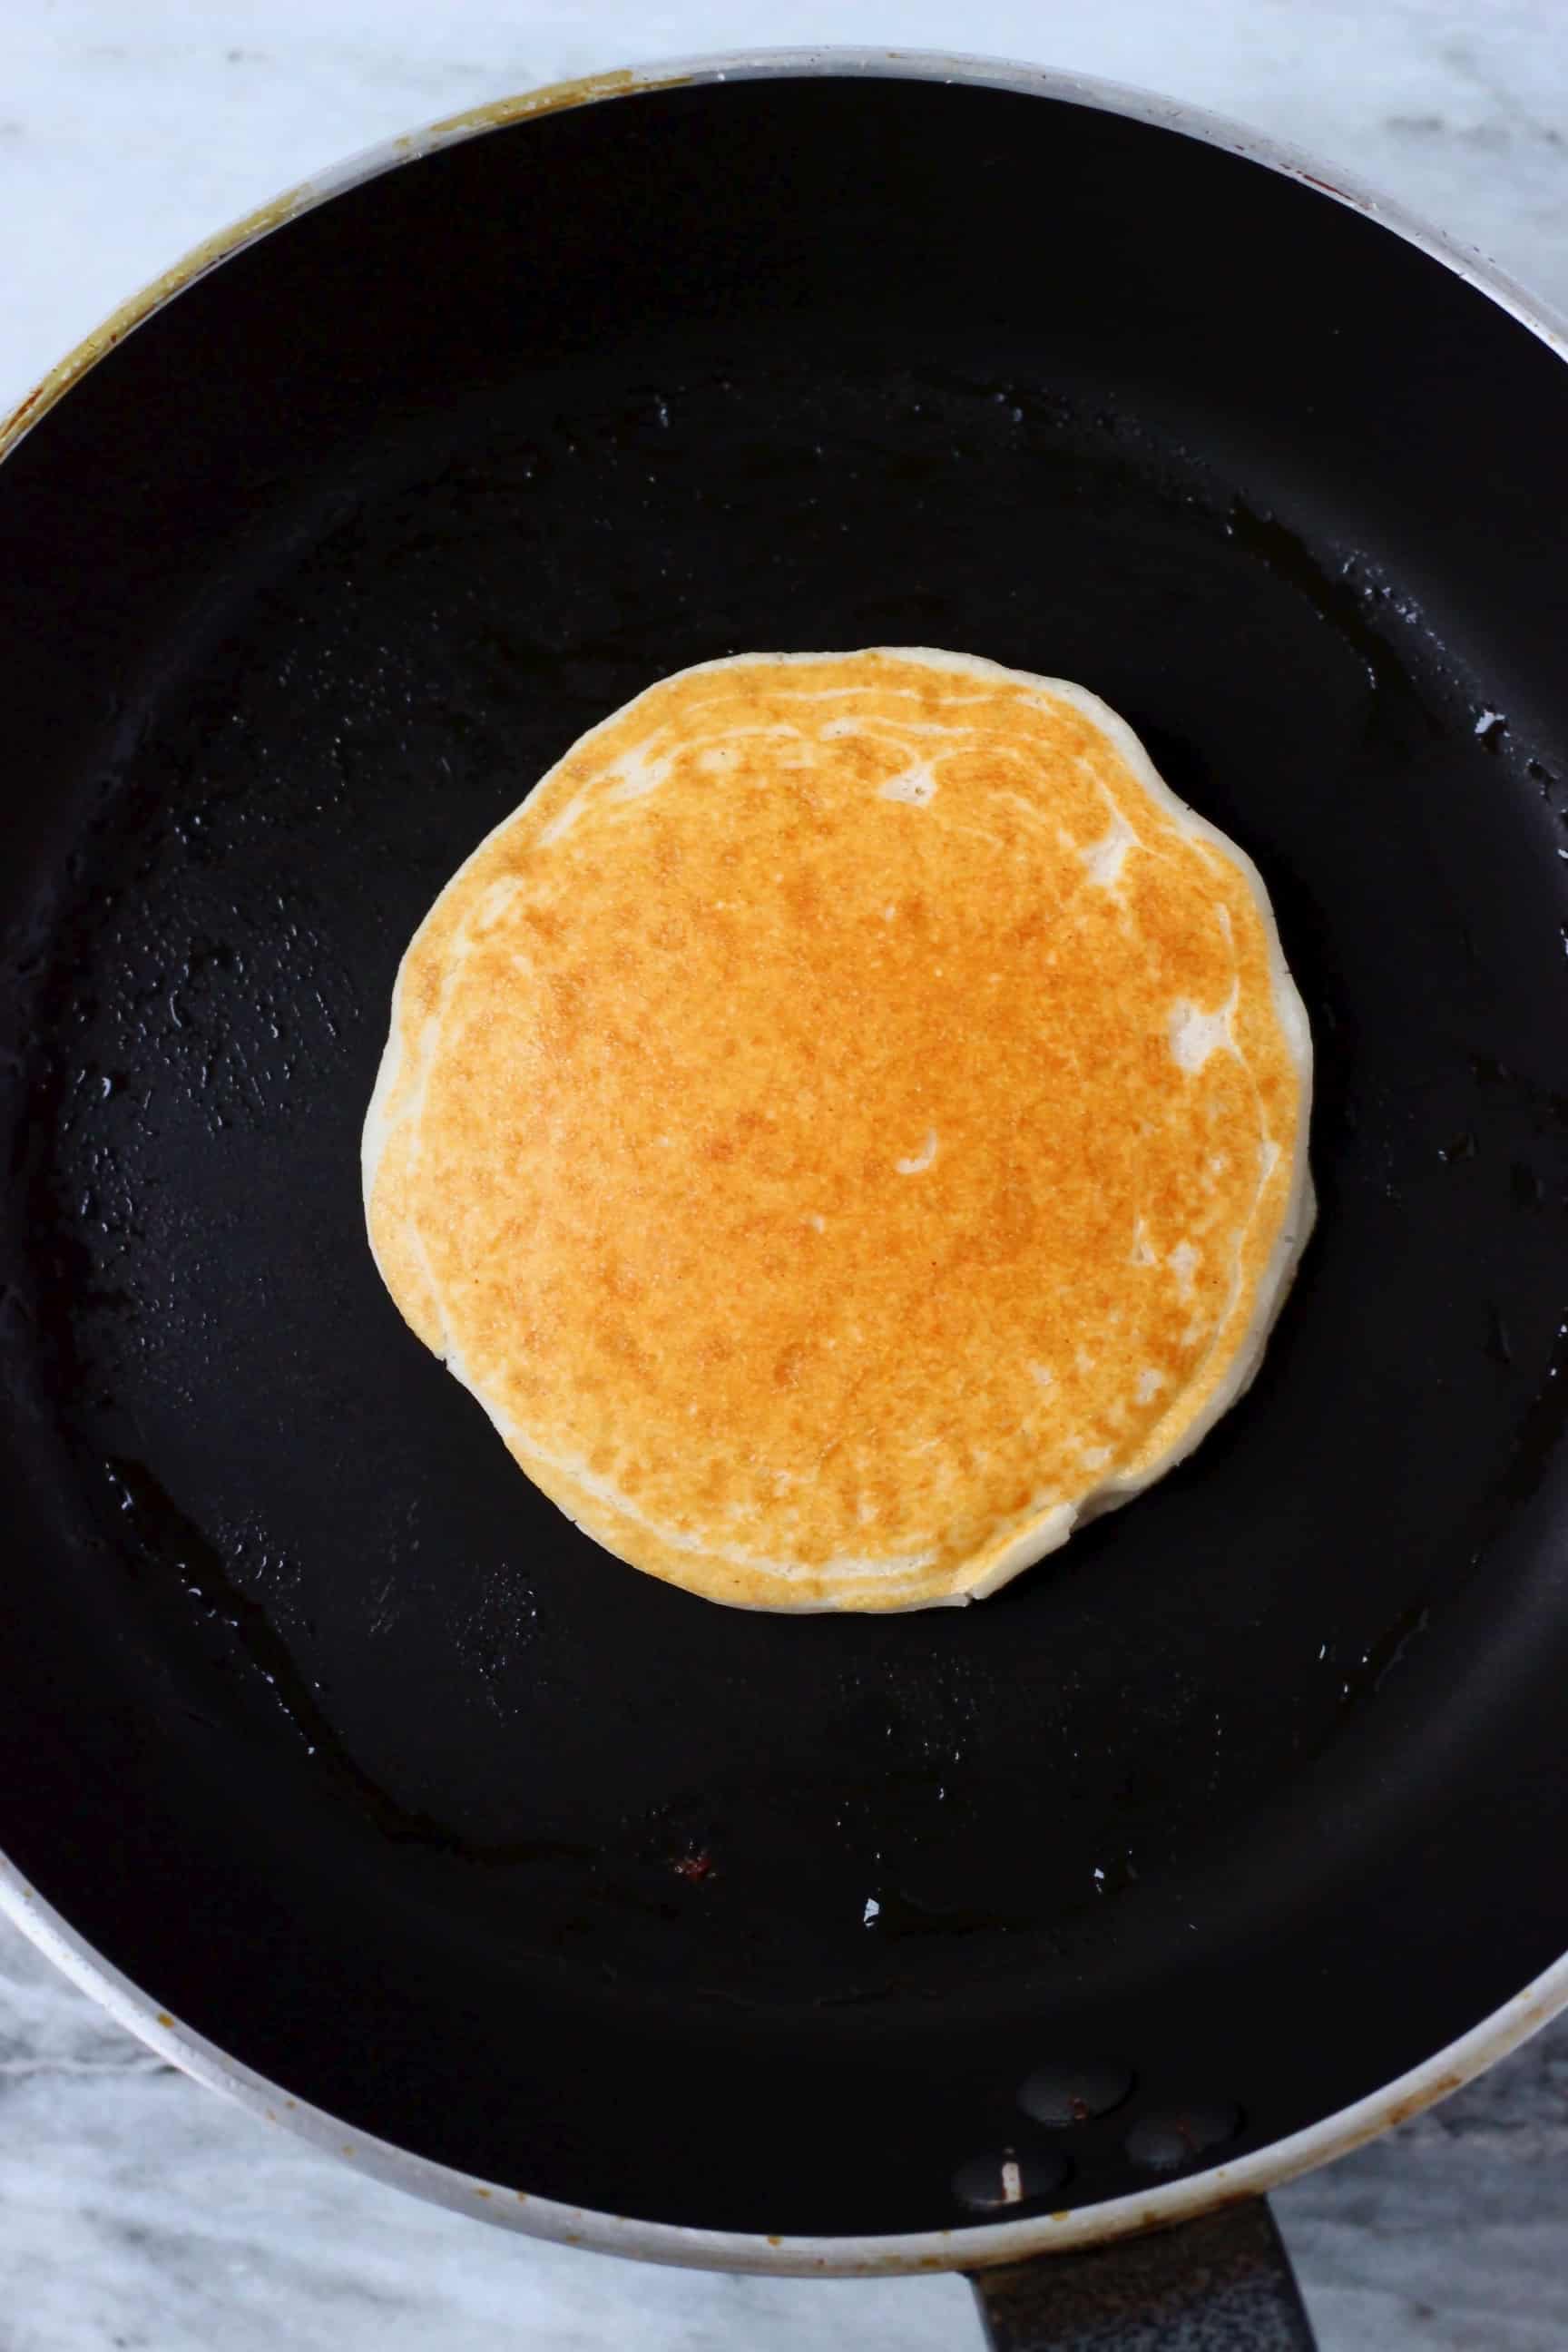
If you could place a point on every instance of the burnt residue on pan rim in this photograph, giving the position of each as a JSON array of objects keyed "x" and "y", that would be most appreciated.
[{"x": 1444, "y": 2072}]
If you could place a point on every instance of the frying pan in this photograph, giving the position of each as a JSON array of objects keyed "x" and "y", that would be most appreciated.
[{"x": 331, "y": 1757}]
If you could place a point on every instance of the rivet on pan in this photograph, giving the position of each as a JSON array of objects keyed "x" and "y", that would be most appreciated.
[
  {"x": 1074, "y": 2091},
  {"x": 1179, "y": 2135}
]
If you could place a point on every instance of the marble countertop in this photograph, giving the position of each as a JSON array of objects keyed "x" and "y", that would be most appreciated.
[{"x": 139, "y": 2212}]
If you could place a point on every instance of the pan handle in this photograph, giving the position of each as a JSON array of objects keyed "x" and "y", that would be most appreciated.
[{"x": 1221, "y": 2284}]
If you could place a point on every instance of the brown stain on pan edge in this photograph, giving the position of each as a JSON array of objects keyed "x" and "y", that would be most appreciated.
[
  {"x": 139, "y": 307},
  {"x": 303, "y": 197},
  {"x": 498, "y": 111}
]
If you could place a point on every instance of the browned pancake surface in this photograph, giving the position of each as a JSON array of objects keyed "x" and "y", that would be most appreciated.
[{"x": 848, "y": 1121}]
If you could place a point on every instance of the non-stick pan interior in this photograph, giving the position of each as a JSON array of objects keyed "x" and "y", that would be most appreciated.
[{"x": 320, "y": 1722}]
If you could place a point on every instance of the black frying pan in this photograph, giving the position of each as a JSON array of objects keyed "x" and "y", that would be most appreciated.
[{"x": 859, "y": 1943}]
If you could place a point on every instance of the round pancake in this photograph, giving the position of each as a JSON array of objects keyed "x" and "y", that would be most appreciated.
[{"x": 846, "y": 1128}]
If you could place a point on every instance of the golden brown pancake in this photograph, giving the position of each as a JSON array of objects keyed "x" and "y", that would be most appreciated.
[{"x": 846, "y": 1126}]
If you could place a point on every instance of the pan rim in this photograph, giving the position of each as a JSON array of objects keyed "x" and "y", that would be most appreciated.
[
  {"x": 668, "y": 2243},
  {"x": 1542, "y": 318},
  {"x": 682, "y": 2245}
]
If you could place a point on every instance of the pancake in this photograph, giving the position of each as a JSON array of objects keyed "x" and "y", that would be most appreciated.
[{"x": 846, "y": 1126}]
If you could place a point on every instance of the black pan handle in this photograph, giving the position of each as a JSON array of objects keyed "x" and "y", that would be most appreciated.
[{"x": 1222, "y": 2284}]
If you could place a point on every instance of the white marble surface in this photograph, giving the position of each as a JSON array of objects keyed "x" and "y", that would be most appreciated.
[{"x": 139, "y": 2214}]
